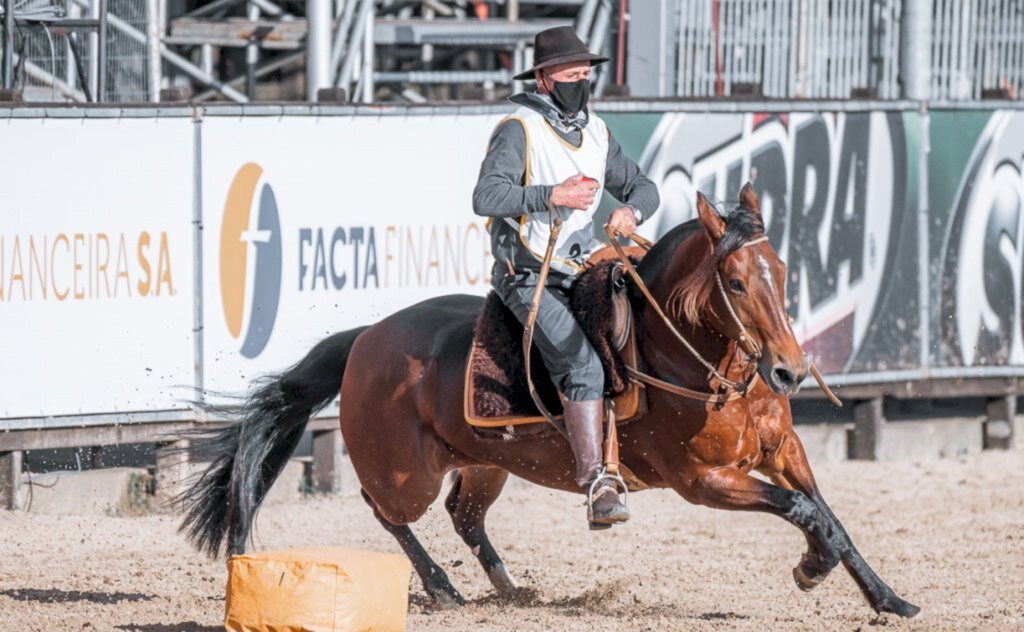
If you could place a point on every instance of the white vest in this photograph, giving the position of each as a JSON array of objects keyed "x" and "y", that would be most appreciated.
[{"x": 551, "y": 160}]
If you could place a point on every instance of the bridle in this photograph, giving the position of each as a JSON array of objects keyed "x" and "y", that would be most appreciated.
[{"x": 731, "y": 389}]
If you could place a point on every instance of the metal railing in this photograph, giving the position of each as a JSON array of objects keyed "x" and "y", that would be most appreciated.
[
  {"x": 977, "y": 49},
  {"x": 788, "y": 49},
  {"x": 57, "y": 58}
]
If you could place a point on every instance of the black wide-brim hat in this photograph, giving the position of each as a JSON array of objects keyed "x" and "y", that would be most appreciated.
[{"x": 559, "y": 45}]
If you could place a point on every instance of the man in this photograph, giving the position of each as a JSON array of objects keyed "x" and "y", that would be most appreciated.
[{"x": 552, "y": 151}]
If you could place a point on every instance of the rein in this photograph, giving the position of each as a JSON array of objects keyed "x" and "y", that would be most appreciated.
[
  {"x": 555, "y": 224},
  {"x": 734, "y": 389}
]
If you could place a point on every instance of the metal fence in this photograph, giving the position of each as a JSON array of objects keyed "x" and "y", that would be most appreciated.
[
  {"x": 788, "y": 49},
  {"x": 846, "y": 48},
  {"x": 51, "y": 74},
  {"x": 978, "y": 49}
]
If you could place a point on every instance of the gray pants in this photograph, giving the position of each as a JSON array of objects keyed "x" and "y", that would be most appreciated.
[{"x": 575, "y": 367}]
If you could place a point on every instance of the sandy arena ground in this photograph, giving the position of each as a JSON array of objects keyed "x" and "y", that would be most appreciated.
[{"x": 947, "y": 535}]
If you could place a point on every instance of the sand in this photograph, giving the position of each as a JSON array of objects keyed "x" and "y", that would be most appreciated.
[{"x": 948, "y": 535}]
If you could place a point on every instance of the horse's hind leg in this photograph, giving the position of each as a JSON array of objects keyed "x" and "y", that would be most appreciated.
[
  {"x": 435, "y": 580},
  {"x": 474, "y": 491}
]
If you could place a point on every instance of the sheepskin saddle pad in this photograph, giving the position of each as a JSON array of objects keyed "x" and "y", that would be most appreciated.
[{"x": 496, "y": 394}]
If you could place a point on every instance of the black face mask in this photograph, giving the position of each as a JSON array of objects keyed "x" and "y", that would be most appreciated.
[{"x": 571, "y": 96}]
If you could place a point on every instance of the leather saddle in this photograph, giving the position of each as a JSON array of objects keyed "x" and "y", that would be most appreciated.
[{"x": 496, "y": 393}]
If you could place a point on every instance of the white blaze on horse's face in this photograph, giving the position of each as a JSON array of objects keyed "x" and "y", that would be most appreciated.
[{"x": 776, "y": 296}]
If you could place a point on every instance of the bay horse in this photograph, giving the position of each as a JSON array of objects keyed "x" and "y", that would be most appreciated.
[{"x": 401, "y": 382}]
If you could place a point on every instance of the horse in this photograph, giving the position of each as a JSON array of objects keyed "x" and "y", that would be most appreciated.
[{"x": 401, "y": 383}]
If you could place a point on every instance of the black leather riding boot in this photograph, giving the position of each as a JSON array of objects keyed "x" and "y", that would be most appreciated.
[{"x": 584, "y": 421}]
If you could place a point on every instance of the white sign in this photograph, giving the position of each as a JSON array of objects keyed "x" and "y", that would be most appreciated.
[
  {"x": 317, "y": 225},
  {"x": 95, "y": 265}
]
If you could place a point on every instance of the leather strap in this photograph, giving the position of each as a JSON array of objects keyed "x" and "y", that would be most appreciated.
[
  {"x": 611, "y": 442},
  {"x": 712, "y": 398},
  {"x": 531, "y": 321},
  {"x": 639, "y": 376},
  {"x": 628, "y": 265},
  {"x": 824, "y": 387}
]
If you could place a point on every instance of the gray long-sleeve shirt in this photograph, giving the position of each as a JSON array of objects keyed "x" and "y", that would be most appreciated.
[{"x": 500, "y": 191}]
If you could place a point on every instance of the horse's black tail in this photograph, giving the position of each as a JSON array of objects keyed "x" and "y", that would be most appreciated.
[{"x": 248, "y": 455}]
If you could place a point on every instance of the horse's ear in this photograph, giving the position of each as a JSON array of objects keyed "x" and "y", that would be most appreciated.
[
  {"x": 748, "y": 199},
  {"x": 709, "y": 217}
]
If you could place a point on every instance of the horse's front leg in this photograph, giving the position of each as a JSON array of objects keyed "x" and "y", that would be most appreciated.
[
  {"x": 789, "y": 469},
  {"x": 730, "y": 488},
  {"x": 795, "y": 472}
]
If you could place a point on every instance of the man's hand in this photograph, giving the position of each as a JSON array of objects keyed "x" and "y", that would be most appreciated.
[
  {"x": 622, "y": 219},
  {"x": 576, "y": 193}
]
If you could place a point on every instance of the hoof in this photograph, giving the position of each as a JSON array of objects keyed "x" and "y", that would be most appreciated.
[
  {"x": 804, "y": 581},
  {"x": 503, "y": 583},
  {"x": 606, "y": 509},
  {"x": 812, "y": 570},
  {"x": 446, "y": 598},
  {"x": 898, "y": 607}
]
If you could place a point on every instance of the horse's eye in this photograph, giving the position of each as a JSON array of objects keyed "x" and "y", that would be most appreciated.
[{"x": 737, "y": 285}]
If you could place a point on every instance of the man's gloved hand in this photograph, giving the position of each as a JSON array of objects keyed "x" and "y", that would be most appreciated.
[
  {"x": 576, "y": 193},
  {"x": 622, "y": 219}
]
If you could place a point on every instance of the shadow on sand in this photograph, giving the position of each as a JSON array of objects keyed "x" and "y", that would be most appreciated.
[
  {"x": 54, "y": 595},
  {"x": 184, "y": 626}
]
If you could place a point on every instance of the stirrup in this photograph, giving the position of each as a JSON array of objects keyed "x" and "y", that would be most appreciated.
[{"x": 618, "y": 481}]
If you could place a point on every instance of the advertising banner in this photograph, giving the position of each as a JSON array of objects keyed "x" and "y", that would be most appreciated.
[
  {"x": 317, "y": 225},
  {"x": 977, "y": 247},
  {"x": 838, "y": 198},
  {"x": 95, "y": 266}
]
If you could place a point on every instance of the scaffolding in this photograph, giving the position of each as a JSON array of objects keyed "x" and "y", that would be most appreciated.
[{"x": 449, "y": 50}]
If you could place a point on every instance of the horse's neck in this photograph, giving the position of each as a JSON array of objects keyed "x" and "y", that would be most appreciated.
[
  {"x": 665, "y": 354},
  {"x": 672, "y": 361}
]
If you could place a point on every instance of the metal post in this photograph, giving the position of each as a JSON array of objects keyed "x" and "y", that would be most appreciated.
[
  {"x": 70, "y": 75},
  {"x": 252, "y": 55},
  {"x": 318, "y": 47},
  {"x": 153, "y": 66},
  {"x": 206, "y": 58},
  {"x": 916, "y": 61},
  {"x": 923, "y": 242},
  {"x": 341, "y": 34},
  {"x": 358, "y": 31},
  {"x": 518, "y": 65},
  {"x": 367, "y": 75},
  {"x": 9, "y": 44},
  {"x": 595, "y": 41},
  {"x": 198, "y": 363},
  {"x": 585, "y": 17},
  {"x": 93, "y": 47},
  {"x": 101, "y": 55}
]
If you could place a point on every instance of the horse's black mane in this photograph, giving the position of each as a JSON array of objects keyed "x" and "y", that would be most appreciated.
[{"x": 741, "y": 225}]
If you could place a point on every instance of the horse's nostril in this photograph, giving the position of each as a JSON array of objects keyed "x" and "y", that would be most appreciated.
[{"x": 784, "y": 377}]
